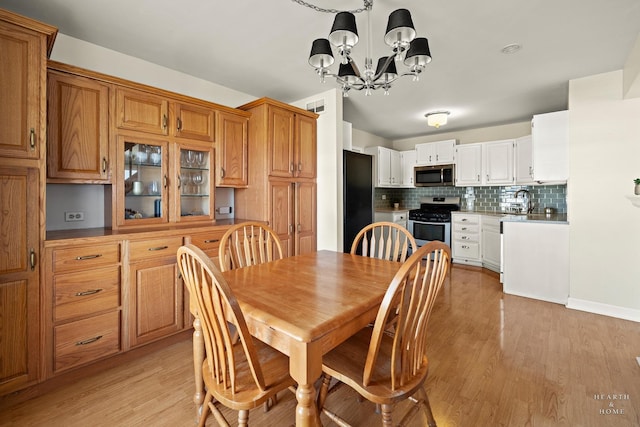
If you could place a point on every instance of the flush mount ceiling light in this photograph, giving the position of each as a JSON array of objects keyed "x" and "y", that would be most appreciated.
[
  {"x": 400, "y": 37},
  {"x": 437, "y": 118},
  {"x": 511, "y": 48}
]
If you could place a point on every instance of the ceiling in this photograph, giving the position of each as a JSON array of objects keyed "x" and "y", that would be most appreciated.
[{"x": 261, "y": 48}]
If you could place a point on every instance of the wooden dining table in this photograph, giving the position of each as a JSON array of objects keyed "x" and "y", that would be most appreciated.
[{"x": 306, "y": 305}]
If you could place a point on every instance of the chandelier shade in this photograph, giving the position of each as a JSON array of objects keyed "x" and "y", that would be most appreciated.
[
  {"x": 321, "y": 55},
  {"x": 400, "y": 35},
  {"x": 389, "y": 72},
  {"x": 344, "y": 31},
  {"x": 419, "y": 53},
  {"x": 400, "y": 29}
]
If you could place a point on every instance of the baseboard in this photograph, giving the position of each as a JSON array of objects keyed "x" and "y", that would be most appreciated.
[{"x": 604, "y": 309}]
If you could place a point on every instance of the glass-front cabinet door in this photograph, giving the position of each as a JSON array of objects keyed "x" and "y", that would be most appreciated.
[
  {"x": 144, "y": 183},
  {"x": 195, "y": 184}
]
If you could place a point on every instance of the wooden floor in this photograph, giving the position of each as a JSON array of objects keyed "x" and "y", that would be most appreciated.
[{"x": 496, "y": 360}]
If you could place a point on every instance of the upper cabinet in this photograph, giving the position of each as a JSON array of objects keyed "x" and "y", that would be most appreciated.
[
  {"x": 550, "y": 147},
  {"x": 193, "y": 122},
  {"x": 292, "y": 142},
  {"x": 24, "y": 44},
  {"x": 524, "y": 160},
  {"x": 469, "y": 165},
  {"x": 408, "y": 163},
  {"x": 78, "y": 129},
  {"x": 141, "y": 111},
  {"x": 436, "y": 153},
  {"x": 497, "y": 163},
  {"x": 387, "y": 166},
  {"x": 231, "y": 150}
]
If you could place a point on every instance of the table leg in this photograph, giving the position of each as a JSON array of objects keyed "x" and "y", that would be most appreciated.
[{"x": 305, "y": 366}]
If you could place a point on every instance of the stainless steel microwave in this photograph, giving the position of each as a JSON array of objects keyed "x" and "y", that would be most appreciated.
[{"x": 433, "y": 176}]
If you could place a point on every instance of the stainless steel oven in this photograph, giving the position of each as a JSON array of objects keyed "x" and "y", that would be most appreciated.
[
  {"x": 425, "y": 232},
  {"x": 432, "y": 221}
]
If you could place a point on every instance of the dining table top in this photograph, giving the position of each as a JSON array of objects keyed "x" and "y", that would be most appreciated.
[{"x": 312, "y": 293}]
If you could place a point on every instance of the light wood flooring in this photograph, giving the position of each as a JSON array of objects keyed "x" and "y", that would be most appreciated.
[{"x": 496, "y": 360}]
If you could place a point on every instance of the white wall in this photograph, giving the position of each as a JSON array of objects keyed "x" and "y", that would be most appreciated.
[
  {"x": 77, "y": 52},
  {"x": 604, "y": 158},
  {"x": 362, "y": 139},
  {"x": 329, "y": 177}
]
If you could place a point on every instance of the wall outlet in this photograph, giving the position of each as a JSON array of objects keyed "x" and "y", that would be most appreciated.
[
  {"x": 73, "y": 216},
  {"x": 384, "y": 197}
]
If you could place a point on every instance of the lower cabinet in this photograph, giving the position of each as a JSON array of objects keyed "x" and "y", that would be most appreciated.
[
  {"x": 465, "y": 238},
  {"x": 83, "y": 305},
  {"x": 491, "y": 242},
  {"x": 156, "y": 307}
]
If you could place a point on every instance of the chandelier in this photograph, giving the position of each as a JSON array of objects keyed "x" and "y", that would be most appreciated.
[{"x": 400, "y": 37}]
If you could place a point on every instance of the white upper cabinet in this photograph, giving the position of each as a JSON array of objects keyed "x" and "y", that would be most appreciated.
[
  {"x": 408, "y": 159},
  {"x": 386, "y": 166},
  {"x": 468, "y": 165},
  {"x": 524, "y": 160},
  {"x": 550, "y": 147},
  {"x": 436, "y": 153},
  {"x": 497, "y": 163}
]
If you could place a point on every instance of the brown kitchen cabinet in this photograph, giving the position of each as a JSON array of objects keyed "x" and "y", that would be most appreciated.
[
  {"x": 232, "y": 150},
  {"x": 154, "y": 113},
  {"x": 78, "y": 129},
  {"x": 25, "y": 45},
  {"x": 292, "y": 143},
  {"x": 282, "y": 171},
  {"x": 83, "y": 316},
  {"x": 162, "y": 182},
  {"x": 156, "y": 292}
]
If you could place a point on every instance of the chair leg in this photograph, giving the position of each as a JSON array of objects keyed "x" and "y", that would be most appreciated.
[
  {"x": 324, "y": 390},
  {"x": 243, "y": 418},
  {"x": 430, "y": 419},
  {"x": 386, "y": 415},
  {"x": 205, "y": 410}
]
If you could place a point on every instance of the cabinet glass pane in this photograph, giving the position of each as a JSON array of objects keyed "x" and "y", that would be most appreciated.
[
  {"x": 143, "y": 181},
  {"x": 194, "y": 182}
]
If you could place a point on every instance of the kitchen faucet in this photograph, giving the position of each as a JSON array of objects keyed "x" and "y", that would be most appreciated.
[{"x": 526, "y": 199}]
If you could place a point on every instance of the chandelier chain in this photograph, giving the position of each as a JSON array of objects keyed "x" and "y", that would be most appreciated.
[{"x": 368, "y": 4}]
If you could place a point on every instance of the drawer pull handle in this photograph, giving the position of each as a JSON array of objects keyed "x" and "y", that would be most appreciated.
[
  {"x": 463, "y": 219},
  {"x": 212, "y": 240},
  {"x": 159, "y": 248},
  {"x": 464, "y": 237},
  {"x": 89, "y": 341},
  {"x": 464, "y": 228},
  {"x": 465, "y": 247},
  {"x": 85, "y": 257},
  {"x": 88, "y": 292}
]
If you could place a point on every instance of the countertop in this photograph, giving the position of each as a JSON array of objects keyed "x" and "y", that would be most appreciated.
[
  {"x": 558, "y": 218},
  {"x": 392, "y": 210}
]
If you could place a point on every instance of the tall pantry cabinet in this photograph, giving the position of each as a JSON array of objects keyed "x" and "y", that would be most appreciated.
[
  {"x": 282, "y": 173},
  {"x": 25, "y": 45}
]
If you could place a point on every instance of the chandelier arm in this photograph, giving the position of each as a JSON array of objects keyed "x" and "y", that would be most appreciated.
[{"x": 355, "y": 67}]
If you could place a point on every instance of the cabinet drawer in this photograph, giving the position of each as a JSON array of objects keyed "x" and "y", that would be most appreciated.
[
  {"x": 465, "y": 219},
  {"x": 466, "y": 249},
  {"x": 467, "y": 237},
  {"x": 209, "y": 242},
  {"x": 466, "y": 228},
  {"x": 82, "y": 293},
  {"x": 85, "y": 257},
  {"x": 154, "y": 248},
  {"x": 86, "y": 340}
]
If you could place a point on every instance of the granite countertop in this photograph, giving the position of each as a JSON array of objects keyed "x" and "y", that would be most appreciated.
[{"x": 558, "y": 218}]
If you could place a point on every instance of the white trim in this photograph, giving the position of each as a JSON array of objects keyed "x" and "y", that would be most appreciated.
[{"x": 604, "y": 309}]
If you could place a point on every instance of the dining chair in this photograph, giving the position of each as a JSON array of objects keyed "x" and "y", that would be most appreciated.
[
  {"x": 385, "y": 240},
  {"x": 240, "y": 377},
  {"x": 387, "y": 368},
  {"x": 248, "y": 243}
]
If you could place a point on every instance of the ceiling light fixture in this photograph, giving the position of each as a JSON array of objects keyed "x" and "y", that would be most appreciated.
[
  {"x": 511, "y": 48},
  {"x": 437, "y": 118},
  {"x": 400, "y": 37}
]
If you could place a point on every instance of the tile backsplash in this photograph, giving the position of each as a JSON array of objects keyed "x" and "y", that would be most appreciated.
[{"x": 498, "y": 199}]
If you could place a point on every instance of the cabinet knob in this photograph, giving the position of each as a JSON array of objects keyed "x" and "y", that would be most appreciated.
[
  {"x": 221, "y": 172},
  {"x": 164, "y": 121},
  {"x": 179, "y": 123},
  {"x": 32, "y": 259}
]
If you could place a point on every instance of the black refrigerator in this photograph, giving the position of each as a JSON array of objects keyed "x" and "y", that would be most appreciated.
[{"x": 357, "y": 194}]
